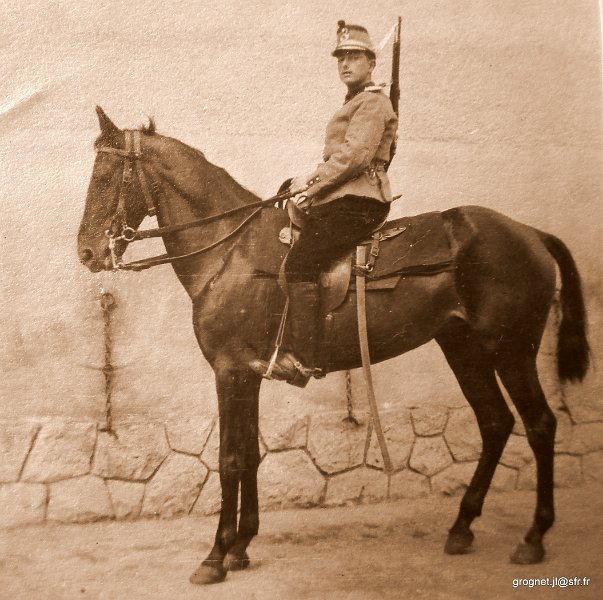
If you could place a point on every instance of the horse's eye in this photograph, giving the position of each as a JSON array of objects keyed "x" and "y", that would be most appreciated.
[{"x": 103, "y": 176}]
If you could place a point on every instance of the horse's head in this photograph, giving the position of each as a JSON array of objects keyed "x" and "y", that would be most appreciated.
[
  {"x": 126, "y": 185},
  {"x": 115, "y": 203}
]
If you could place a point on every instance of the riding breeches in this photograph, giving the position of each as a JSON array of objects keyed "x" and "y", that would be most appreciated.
[{"x": 329, "y": 231}]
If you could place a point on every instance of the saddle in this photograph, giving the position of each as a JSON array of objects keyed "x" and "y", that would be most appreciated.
[{"x": 410, "y": 246}]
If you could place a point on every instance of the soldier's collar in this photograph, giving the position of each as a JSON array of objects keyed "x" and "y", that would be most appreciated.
[{"x": 367, "y": 87}]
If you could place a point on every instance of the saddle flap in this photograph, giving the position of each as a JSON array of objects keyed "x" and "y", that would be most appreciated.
[{"x": 334, "y": 283}]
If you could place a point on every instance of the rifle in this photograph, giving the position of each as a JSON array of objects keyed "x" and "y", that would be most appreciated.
[{"x": 394, "y": 90}]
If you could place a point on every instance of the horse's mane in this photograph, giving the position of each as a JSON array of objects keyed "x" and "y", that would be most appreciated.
[
  {"x": 149, "y": 129},
  {"x": 219, "y": 176}
]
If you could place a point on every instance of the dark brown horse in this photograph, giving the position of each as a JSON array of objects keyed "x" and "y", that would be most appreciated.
[{"x": 487, "y": 315}]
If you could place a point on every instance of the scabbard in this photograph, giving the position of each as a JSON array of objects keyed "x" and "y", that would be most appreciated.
[{"x": 366, "y": 357}]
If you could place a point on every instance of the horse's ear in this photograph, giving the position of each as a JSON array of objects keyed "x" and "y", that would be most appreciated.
[{"x": 107, "y": 126}]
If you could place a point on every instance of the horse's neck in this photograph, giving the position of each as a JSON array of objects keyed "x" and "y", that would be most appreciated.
[{"x": 204, "y": 190}]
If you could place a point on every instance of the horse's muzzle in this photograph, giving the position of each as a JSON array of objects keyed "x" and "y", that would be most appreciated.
[{"x": 88, "y": 259}]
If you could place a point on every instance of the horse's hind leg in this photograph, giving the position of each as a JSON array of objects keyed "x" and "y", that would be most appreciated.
[
  {"x": 474, "y": 370},
  {"x": 517, "y": 370}
]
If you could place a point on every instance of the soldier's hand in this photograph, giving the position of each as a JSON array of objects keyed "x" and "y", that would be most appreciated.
[
  {"x": 299, "y": 199},
  {"x": 298, "y": 185}
]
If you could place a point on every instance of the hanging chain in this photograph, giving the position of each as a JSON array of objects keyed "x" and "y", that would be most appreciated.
[
  {"x": 107, "y": 305},
  {"x": 350, "y": 418}
]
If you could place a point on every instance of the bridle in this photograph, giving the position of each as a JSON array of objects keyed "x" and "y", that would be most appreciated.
[{"x": 132, "y": 155}]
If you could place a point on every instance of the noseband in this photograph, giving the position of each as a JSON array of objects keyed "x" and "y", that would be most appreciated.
[{"x": 132, "y": 154}]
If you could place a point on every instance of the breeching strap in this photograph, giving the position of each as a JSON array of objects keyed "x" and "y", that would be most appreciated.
[{"x": 366, "y": 357}]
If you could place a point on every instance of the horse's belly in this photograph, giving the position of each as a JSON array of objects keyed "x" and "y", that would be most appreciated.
[{"x": 398, "y": 320}]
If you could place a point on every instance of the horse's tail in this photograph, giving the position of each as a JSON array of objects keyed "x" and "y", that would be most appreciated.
[{"x": 573, "y": 352}]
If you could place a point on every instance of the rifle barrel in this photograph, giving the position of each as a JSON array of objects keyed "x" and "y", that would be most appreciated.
[{"x": 394, "y": 90}]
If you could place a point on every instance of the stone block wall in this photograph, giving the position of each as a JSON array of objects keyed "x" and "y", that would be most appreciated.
[{"x": 72, "y": 471}]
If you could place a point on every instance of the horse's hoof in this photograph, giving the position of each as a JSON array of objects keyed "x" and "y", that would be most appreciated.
[
  {"x": 208, "y": 572},
  {"x": 528, "y": 554},
  {"x": 458, "y": 543},
  {"x": 233, "y": 562}
]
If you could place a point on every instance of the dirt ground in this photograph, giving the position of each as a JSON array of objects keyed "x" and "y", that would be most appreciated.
[{"x": 391, "y": 550}]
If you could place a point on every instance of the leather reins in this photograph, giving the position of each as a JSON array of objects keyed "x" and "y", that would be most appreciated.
[{"x": 132, "y": 154}]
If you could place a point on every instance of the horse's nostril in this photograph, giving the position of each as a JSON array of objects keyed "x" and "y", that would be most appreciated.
[{"x": 86, "y": 255}]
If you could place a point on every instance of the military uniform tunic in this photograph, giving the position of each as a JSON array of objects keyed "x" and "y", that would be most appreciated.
[{"x": 358, "y": 143}]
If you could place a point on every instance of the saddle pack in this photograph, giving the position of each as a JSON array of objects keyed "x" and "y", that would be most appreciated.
[{"x": 409, "y": 246}]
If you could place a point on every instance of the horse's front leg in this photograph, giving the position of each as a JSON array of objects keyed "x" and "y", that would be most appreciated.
[
  {"x": 249, "y": 520},
  {"x": 237, "y": 406}
]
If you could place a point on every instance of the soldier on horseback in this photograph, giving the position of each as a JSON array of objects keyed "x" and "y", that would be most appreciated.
[
  {"x": 345, "y": 198},
  {"x": 484, "y": 293}
]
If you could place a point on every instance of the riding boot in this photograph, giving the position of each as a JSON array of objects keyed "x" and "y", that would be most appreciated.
[{"x": 297, "y": 365}]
